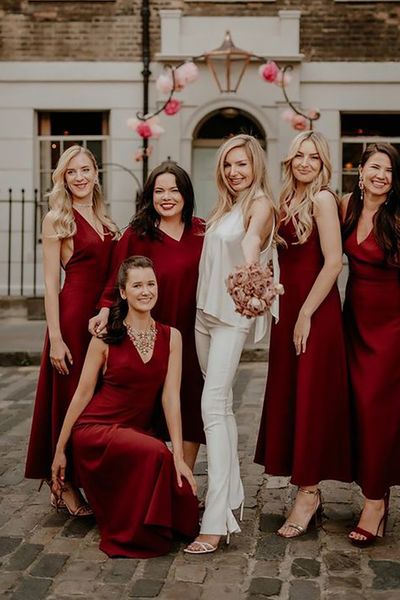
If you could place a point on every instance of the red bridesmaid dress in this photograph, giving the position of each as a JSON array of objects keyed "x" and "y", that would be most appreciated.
[
  {"x": 85, "y": 277},
  {"x": 128, "y": 475},
  {"x": 176, "y": 264},
  {"x": 305, "y": 426},
  {"x": 372, "y": 329}
]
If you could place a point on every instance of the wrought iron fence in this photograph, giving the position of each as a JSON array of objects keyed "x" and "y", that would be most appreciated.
[{"x": 21, "y": 218}]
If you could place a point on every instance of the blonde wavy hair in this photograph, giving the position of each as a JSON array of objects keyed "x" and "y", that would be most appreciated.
[
  {"x": 260, "y": 186},
  {"x": 302, "y": 213},
  {"x": 60, "y": 199}
]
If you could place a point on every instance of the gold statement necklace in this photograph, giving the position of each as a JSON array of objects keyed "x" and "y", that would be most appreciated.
[{"x": 142, "y": 339}]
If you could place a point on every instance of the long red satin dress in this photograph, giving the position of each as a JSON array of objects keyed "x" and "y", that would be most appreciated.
[
  {"x": 128, "y": 475},
  {"x": 372, "y": 330},
  {"x": 176, "y": 264},
  {"x": 85, "y": 277},
  {"x": 305, "y": 426}
]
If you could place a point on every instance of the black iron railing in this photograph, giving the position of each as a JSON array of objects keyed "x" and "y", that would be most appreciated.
[{"x": 23, "y": 217}]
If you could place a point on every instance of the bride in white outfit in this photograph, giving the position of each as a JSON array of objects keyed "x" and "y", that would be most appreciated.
[{"x": 240, "y": 230}]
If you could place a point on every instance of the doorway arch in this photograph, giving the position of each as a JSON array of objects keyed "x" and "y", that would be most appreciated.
[{"x": 208, "y": 135}]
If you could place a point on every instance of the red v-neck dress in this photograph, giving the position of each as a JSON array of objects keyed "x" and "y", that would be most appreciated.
[
  {"x": 176, "y": 264},
  {"x": 128, "y": 474},
  {"x": 305, "y": 426},
  {"x": 85, "y": 277},
  {"x": 372, "y": 329}
]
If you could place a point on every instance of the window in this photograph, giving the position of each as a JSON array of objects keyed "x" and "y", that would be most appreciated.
[
  {"x": 59, "y": 130},
  {"x": 359, "y": 130}
]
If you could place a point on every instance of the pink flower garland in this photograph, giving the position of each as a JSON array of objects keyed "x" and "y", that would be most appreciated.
[{"x": 252, "y": 289}]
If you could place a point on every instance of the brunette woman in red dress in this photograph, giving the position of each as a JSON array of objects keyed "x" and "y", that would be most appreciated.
[
  {"x": 140, "y": 491},
  {"x": 305, "y": 427},
  {"x": 78, "y": 238},
  {"x": 371, "y": 232},
  {"x": 165, "y": 230}
]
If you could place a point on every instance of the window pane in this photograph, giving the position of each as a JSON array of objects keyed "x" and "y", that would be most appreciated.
[
  {"x": 348, "y": 183},
  {"x": 96, "y": 147},
  {"x": 351, "y": 155}
]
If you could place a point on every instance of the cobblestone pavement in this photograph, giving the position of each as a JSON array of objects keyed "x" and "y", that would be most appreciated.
[{"x": 46, "y": 555}]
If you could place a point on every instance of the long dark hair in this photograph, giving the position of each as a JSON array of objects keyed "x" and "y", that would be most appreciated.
[
  {"x": 387, "y": 218},
  {"x": 116, "y": 329},
  {"x": 146, "y": 220}
]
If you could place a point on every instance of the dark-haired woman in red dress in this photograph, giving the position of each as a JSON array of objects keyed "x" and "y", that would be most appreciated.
[
  {"x": 78, "y": 238},
  {"x": 371, "y": 232},
  {"x": 305, "y": 427},
  {"x": 140, "y": 491},
  {"x": 165, "y": 230}
]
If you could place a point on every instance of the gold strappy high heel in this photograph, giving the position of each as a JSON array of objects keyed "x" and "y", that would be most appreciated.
[{"x": 316, "y": 517}]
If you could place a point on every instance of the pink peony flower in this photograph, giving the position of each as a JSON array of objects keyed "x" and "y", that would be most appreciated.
[
  {"x": 164, "y": 82},
  {"x": 299, "y": 123},
  {"x": 313, "y": 113},
  {"x": 144, "y": 130},
  {"x": 269, "y": 71},
  {"x": 172, "y": 107},
  {"x": 288, "y": 115},
  {"x": 283, "y": 79},
  {"x": 252, "y": 289},
  {"x": 189, "y": 72}
]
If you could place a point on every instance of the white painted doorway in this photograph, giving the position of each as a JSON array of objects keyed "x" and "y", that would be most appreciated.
[{"x": 208, "y": 136}]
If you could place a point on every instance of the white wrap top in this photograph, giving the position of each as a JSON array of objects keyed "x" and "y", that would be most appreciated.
[{"x": 222, "y": 253}]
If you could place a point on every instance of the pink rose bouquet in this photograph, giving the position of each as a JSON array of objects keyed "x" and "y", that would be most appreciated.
[{"x": 252, "y": 289}]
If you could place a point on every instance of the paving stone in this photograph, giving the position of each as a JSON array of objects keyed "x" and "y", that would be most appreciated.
[
  {"x": 265, "y": 586},
  {"x": 71, "y": 588},
  {"x": 266, "y": 568},
  {"x": 82, "y": 570},
  {"x": 182, "y": 591},
  {"x": 270, "y": 523},
  {"x": 190, "y": 573},
  {"x": 23, "y": 557},
  {"x": 121, "y": 570},
  {"x": 78, "y": 527},
  {"x": 146, "y": 588},
  {"x": 387, "y": 574},
  {"x": 304, "y": 590},
  {"x": 32, "y": 588},
  {"x": 49, "y": 565},
  {"x": 8, "y": 545},
  {"x": 344, "y": 582},
  {"x": 271, "y": 546},
  {"x": 305, "y": 567},
  {"x": 353, "y": 595},
  {"x": 56, "y": 519},
  {"x": 158, "y": 567},
  {"x": 8, "y": 581},
  {"x": 340, "y": 561},
  {"x": 220, "y": 591}
]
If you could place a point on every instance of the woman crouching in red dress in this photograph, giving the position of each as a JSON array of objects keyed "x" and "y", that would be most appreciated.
[{"x": 141, "y": 492}]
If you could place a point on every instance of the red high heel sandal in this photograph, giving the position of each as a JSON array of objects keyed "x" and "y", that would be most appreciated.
[{"x": 371, "y": 538}]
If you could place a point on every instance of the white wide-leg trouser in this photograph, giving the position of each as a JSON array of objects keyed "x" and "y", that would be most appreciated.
[{"x": 219, "y": 347}]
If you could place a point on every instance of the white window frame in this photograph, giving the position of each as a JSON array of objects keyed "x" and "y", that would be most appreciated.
[
  {"x": 82, "y": 140},
  {"x": 365, "y": 140}
]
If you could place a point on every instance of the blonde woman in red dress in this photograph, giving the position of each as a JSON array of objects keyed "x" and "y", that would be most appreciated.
[
  {"x": 305, "y": 426},
  {"x": 141, "y": 492},
  {"x": 371, "y": 231},
  {"x": 77, "y": 238}
]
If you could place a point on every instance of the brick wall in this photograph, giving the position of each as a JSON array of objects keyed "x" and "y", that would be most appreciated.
[{"x": 110, "y": 31}]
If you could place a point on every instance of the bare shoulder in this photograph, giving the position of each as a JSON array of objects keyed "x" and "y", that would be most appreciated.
[
  {"x": 48, "y": 221},
  {"x": 261, "y": 207},
  {"x": 176, "y": 337}
]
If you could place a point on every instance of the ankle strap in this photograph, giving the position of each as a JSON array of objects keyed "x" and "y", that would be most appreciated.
[{"x": 316, "y": 492}]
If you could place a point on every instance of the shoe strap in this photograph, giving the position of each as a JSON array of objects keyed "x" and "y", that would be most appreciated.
[
  {"x": 316, "y": 492},
  {"x": 295, "y": 526},
  {"x": 367, "y": 534}
]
